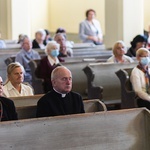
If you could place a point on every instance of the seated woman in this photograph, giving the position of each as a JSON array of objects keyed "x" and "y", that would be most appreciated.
[
  {"x": 64, "y": 50},
  {"x": 14, "y": 85},
  {"x": 7, "y": 107},
  {"x": 119, "y": 56},
  {"x": 138, "y": 42},
  {"x": 69, "y": 44},
  {"x": 48, "y": 63},
  {"x": 140, "y": 78},
  {"x": 38, "y": 42}
]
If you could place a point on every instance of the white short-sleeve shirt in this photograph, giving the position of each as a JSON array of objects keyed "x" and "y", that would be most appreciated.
[{"x": 10, "y": 91}]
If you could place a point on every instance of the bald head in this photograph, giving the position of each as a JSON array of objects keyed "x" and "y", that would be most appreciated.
[{"x": 61, "y": 78}]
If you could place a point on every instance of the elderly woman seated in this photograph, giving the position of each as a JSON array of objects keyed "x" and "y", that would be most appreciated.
[
  {"x": 64, "y": 50},
  {"x": 14, "y": 85},
  {"x": 48, "y": 63},
  {"x": 140, "y": 78},
  {"x": 38, "y": 42},
  {"x": 119, "y": 56}
]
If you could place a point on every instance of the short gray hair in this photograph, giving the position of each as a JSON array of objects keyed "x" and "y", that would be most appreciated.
[
  {"x": 23, "y": 38},
  {"x": 140, "y": 51},
  {"x": 50, "y": 45},
  {"x": 59, "y": 34},
  {"x": 56, "y": 72},
  {"x": 116, "y": 44}
]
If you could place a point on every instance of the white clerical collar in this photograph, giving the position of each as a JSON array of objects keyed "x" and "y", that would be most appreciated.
[{"x": 62, "y": 95}]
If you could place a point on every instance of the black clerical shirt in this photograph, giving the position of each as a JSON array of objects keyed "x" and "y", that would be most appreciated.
[{"x": 53, "y": 104}]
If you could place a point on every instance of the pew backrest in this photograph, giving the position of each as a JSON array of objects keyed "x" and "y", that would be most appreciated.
[
  {"x": 26, "y": 112},
  {"x": 103, "y": 75},
  {"x": 117, "y": 130}
]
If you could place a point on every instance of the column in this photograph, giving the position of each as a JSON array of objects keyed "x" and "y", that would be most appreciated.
[{"x": 123, "y": 20}]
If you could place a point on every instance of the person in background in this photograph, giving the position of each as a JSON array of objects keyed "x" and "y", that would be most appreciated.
[
  {"x": 20, "y": 38},
  {"x": 25, "y": 56},
  {"x": 61, "y": 30},
  {"x": 140, "y": 78},
  {"x": 138, "y": 42},
  {"x": 48, "y": 63},
  {"x": 90, "y": 29},
  {"x": 38, "y": 42},
  {"x": 69, "y": 44},
  {"x": 14, "y": 86},
  {"x": 47, "y": 37},
  {"x": 119, "y": 50},
  {"x": 61, "y": 100},
  {"x": 64, "y": 50},
  {"x": 7, "y": 107},
  {"x": 2, "y": 43}
]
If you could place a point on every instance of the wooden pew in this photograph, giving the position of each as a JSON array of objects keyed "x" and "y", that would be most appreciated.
[
  {"x": 116, "y": 130},
  {"x": 26, "y": 112},
  {"x": 127, "y": 93},
  {"x": 103, "y": 83},
  {"x": 79, "y": 78}
]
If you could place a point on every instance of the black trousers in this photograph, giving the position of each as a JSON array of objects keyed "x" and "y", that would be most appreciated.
[{"x": 143, "y": 103}]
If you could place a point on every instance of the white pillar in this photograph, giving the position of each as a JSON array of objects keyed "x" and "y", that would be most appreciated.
[{"x": 124, "y": 20}]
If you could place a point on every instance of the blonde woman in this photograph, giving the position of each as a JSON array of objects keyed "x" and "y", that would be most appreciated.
[
  {"x": 119, "y": 50},
  {"x": 14, "y": 85}
]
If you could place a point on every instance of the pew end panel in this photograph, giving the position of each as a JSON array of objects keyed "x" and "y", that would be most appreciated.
[
  {"x": 103, "y": 75},
  {"x": 103, "y": 130},
  {"x": 37, "y": 83},
  {"x": 9, "y": 60},
  {"x": 93, "y": 91},
  {"x": 127, "y": 93}
]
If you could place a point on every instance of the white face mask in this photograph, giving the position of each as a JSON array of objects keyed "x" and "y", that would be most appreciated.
[{"x": 145, "y": 61}]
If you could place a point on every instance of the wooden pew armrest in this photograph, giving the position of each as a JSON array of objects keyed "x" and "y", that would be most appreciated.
[{"x": 95, "y": 92}]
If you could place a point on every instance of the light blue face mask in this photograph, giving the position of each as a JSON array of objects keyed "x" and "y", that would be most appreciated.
[
  {"x": 55, "y": 52},
  {"x": 145, "y": 61}
]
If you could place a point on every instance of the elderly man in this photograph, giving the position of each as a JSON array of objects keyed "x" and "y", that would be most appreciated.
[
  {"x": 61, "y": 100},
  {"x": 7, "y": 107},
  {"x": 64, "y": 50},
  {"x": 25, "y": 55}
]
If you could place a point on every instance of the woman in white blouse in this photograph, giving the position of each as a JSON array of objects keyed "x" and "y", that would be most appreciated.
[
  {"x": 14, "y": 85},
  {"x": 90, "y": 29},
  {"x": 119, "y": 50},
  {"x": 140, "y": 78}
]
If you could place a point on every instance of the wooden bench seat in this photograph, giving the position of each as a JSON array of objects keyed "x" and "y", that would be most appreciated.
[
  {"x": 102, "y": 81},
  {"x": 79, "y": 78},
  {"x": 26, "y": 112},
  {"x": 116, "y": 130}
]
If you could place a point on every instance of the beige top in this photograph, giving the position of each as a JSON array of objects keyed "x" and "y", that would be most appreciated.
[{"x": 10, "y": 91}]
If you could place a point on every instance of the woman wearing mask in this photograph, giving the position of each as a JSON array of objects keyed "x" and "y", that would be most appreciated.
[
  {"x": 140, "y": 78},
  {"x": 48, "y": 63}
]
